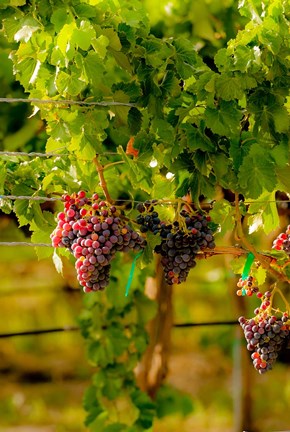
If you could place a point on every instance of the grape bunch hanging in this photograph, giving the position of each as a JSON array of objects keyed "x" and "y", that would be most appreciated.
[
  {"x": 180, "y": 240},
  {"x": 265, "y": 336},
  {"x": 94, "y": 231},
  {"x": 268, "y": 332}
]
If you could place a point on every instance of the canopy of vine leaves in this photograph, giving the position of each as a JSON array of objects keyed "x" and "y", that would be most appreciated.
[{"x": 183, "y": 106}]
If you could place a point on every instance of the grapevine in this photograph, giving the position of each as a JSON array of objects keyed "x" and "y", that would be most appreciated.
[{"x": 205, "y": 105}]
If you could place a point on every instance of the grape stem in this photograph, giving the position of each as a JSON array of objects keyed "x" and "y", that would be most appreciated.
[
  {"x": 265, "y": 262},
  {"x": 110, "y": 165},
  {"x": 283, "y": 298},
  {"x": 103, "y": 184}
]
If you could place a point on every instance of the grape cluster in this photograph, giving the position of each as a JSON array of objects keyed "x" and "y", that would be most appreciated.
[
  {"x": 248, "y": 287},
  {"x": 180, "y": 241},
  {"x": 282, "y": 242},
  {"x": 265, "y": 338},
  {"x": 93, "y": 231}
]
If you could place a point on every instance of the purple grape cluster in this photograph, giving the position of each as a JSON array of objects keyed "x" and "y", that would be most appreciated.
[
  {"x": 265, "y": 338},
  {"x": 94, "y": 231},
  {"x": 180, "y": 241}
]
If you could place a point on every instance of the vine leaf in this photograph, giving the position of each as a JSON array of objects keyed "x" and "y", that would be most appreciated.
[
  {"x": 257, "y": 173},
  {"x": 266, "y": 208},
  {"x": 57, "y": 262}
]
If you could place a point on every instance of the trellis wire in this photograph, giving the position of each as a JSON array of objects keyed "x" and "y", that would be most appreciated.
[
  {"x": 30, "y": 198},
  {"x": 66, "y": 102},
  {"x": 25, "y": 244},
  {"x": 32, "y": 154},
  {"x": 75, "y": 328},
  {"x": 207, "y": 252},
  {"x": 49, "y": 154},
  {"x": 40, "y": 198}
]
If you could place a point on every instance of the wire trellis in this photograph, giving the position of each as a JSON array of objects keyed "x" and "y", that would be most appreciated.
[
  {"x": 67, "y": 102},
  {"x": 167, "y": 202},
  {"x": 49, "y": 154},
  {"x": 25, "y": 244},
  {"x": 71, "y": 328},
  {"x": 29, "y": 198},
  {"x": 233, "y": 250}
]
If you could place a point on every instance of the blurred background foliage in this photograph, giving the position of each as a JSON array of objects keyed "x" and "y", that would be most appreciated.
[{"x": 42, "y": 378}]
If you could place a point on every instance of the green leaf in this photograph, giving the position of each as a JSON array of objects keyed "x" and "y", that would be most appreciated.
[
  {"x": 3, "y": 173},
  {"x": 63, "y": 40},
  {"x": 122, "y": 60},
  {"x": 283, "y": 175},
  {"x": 113, "y": 38},
  {"x": 267, "y": 208},
  {"x": 244, "y": 56},
  {"x": 162, "y": 187},
  {"x": 94, "y": 70},
  {"x": 257, "y": 172},
  {"x": 59, "y": 18},
  {"x": 163, "y": 130},
  {"x": 224, "y": 215},
  {"x": 83, "y": 36},
  {"x": 281, "y": 119},
  {"x": 100, "y": 353},
  {"x": 137, "y": 173},
  {"x": 237, "y": 265},
  {"x": 170, "y": 400},
  {"x": 118, "y": 339},
  {"x": 222, "y": 60},
  {"x": 260, "y": 274},
  {"x": 92, "y": 405},
  {"x": 197, "y": 140},
  {"x": 85, "y": 10},
  {"x": 134, "y": 120},
  {"x": 28, "y": 26},
  {"x": 25, "y": 70},
  {"x": 90, "y": 398},
  {"x": 116, "y": 427},
  {"x": 224, "y": 120},
  {"x": 188, "y": 61},
  {"x": 23, "y": 212},
  {"x": 185, "y": 51},
  {"x": 222, "y": 168},
  {"x": 42, "y": 236},
  {"x": 70, "y": 84},
  {"x": 57, "y": 261},
  {"x": 228, "y": 87},
  {"x": 280, "y": 154},
  {"x": 146, "y": 407},
  {"x": 100, "y": 45}
]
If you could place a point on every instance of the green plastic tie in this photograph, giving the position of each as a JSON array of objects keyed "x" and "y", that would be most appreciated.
[
  {"x": 248, "y": 265},
  {"x": 130, "y": 278}
]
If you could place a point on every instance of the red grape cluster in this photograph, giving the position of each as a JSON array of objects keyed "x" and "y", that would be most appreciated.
[
  {"x": 282, "y": 242},
  {"x": 181, "y": 240},
  {"x": 94, "y": 231},
  {"x": 248, "y": 287},
  {"x": 266, "y": 336}
]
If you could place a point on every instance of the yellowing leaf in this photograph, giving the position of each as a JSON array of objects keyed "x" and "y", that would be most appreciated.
[{"x": 57, "y": 262}]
